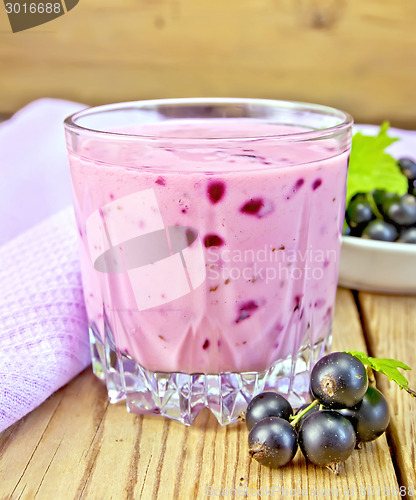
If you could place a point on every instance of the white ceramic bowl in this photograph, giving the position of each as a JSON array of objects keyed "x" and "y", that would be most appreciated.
[{"x": 378, "y": 266}]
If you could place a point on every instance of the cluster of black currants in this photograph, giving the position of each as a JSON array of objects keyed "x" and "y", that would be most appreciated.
[
  {"x": 385, "y": 216},
  {"x": 345, "y": 411}
]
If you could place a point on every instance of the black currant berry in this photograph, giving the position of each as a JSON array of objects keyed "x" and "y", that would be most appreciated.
[
  {"x": 408, "y": 167},
  {"x": 350, "y": 414},
  {"x": 346, "y": 230},
  {"x": 272, "y": 442},
  {"x": 386, "y": 201},
  {"x": 358, "y": 214},
  {"x": 408, "y": 235},
  {"x": 380, "y": 230},
  {"x": 267, "y": 404},
  {"x": 326, "y": 438},
  {"x": 403, "y": 213},
  {"x": 380, "y": 196},
  {"x": 372, "y": 415},
  {"x": 338, "y": 380}
]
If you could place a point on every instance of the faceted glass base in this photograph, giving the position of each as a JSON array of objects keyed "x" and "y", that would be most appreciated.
[{"x": 181, "y": 396}]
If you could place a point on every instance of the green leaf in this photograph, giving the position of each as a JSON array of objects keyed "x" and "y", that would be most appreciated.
[
  {"x": 370, "y": 167},
  {"x": 362, "y": 356},
  {"x": 388, "y": 367}
]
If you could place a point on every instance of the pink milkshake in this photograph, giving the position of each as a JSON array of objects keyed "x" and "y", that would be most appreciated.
[{"x": 210, "y": 233}]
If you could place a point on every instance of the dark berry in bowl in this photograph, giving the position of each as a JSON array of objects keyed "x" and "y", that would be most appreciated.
[
  {"x": 347, "y": 230},
  {"x": 408, "y": 235},
  {"x": 380, "y": 230},
  {"x": 387, "y": 201},
  {"x": 408, "y": 167},
  {"x": 382, "y": 198},
  {"x": 403, "y": 213},
  {"x": 358, "y": 214},
  {"x": 379, "y": 196}
]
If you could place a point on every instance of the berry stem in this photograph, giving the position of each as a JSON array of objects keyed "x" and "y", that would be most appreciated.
[
  {"x": 373, "y": 206},
  {"x": 370, "y": 376},
  {"x": 410, "y": 391},
  {"x": 303, "y": 412}
]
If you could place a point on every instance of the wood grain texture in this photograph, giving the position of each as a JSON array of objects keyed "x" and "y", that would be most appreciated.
[
  {"x": 391, "y": 333},
  {"x": 355, "y": 55},
  {"x": 76, "y": 446}
]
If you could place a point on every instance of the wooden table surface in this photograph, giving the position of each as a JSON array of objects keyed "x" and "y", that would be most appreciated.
[{"x": 76, "y": 445}]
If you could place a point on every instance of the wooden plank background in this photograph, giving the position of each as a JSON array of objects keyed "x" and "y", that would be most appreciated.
[
  {"x": 389, "y": 325},
  {"x": 353, "y": 54}
]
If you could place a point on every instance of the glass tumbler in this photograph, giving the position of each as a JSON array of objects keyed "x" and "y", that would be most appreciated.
[{"x": 210, "y": 232}]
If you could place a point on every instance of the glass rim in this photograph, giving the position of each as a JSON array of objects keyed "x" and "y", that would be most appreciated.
[{"x": 346, "y": 120}]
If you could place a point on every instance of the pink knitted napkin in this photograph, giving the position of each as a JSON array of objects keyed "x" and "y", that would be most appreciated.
[{"x": 43, "y": 324}]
